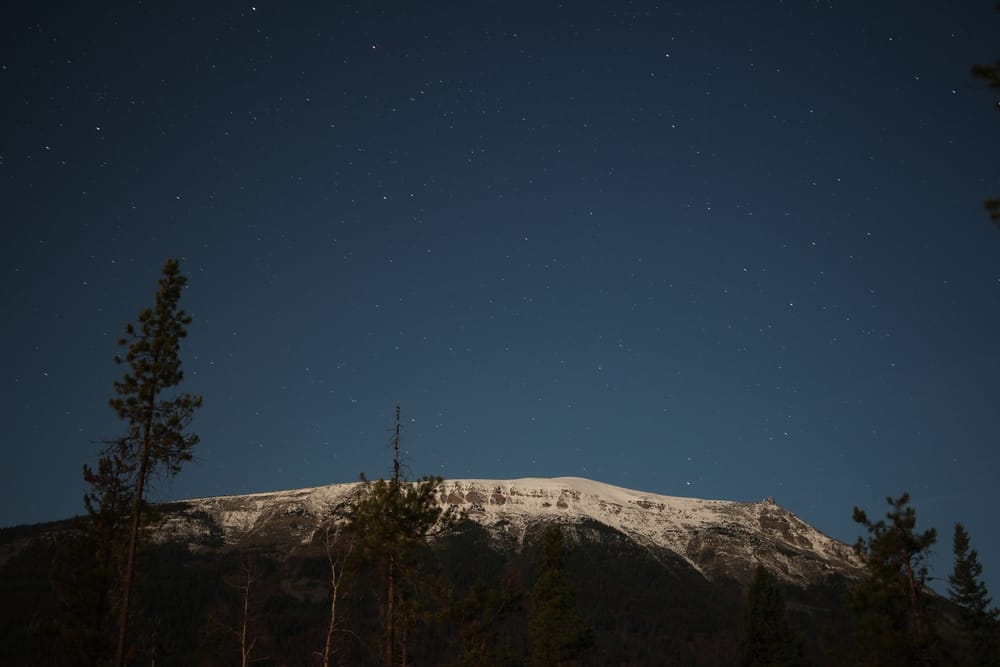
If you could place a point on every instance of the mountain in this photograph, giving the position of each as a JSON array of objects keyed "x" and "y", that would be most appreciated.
[
  {"x": 717, "y": 538},
  {"x": 660, "y": 579}
]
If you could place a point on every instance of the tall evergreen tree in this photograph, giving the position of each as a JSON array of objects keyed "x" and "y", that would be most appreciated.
[
  {"x": 978, "y": 618},
  {"x": 391, "y": 521},
  {"x": 891, "y": 620},
  {"x": 557, "y": 630},
  {"x": 767, "y": 640},
  {"x": 155, "y": 439}
]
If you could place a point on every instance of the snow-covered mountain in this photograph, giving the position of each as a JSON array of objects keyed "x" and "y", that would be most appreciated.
[{"x": 720, "y": 539}]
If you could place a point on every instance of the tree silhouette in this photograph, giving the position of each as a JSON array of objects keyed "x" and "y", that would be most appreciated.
[
  {"x": 557, "y": 630},
  {"x": 391, "y": 521},
  {"x": 767, "y": 641},
  {"x": 245, "y": 583},
  {"x": 155, "y": 438},
  {"x": 978, "y": 618},
  {"x": 890, "y": 611},
  {"x": 87, "y": 562},
  {"x": 338, "y": 548}
]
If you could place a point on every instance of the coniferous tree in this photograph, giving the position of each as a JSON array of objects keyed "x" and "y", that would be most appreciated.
[
  {"x": 391, "y": 521},
  {"x": 557, "y": 631},
  {"x": 767, "y": 640},
  {"x": 390, "y": 524},
  {"x": 87, "y": 563},
  {"x": 478, "y": 622},
  {"x": 155, "y": 439},
  {"x": 891, "y": 618},
  {"x": 977, "y": 617}
]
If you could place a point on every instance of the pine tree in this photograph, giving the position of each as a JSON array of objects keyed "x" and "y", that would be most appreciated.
[
  {"x": 767, "y": 640},
  {"x": 889, "y": 605},
  {"x": 155, "y": 439},
  {"x": 978, "y": 619},
  {"x": 87, "y": 563},
  {"x": 557, "y": 630},
  {"x": 391, "y": 521}
]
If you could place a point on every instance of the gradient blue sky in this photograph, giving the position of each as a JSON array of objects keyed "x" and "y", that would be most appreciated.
[{"x": 726, "y": 250}]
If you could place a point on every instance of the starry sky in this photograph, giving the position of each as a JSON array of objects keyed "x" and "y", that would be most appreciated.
[{"x": 725, "y": 250}]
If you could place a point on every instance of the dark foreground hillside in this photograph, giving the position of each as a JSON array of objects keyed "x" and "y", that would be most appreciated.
[{"x": 643, "y": 606}]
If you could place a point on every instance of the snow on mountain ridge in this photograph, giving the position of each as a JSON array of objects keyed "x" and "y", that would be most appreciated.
[
  {"x": 718, "y": 538},
  {"x": 715, "y": 537}
]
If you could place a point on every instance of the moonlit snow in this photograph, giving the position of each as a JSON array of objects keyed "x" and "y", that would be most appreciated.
[{"x": 716, "y": 537}]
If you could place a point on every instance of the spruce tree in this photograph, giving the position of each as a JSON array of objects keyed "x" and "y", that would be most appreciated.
[
  {"x": 977, "y": 617},
  {"x": 891, "y": 618},
  {"x": 155, "y": 439},
  {"x": 557, "y": 630},
  {"x": 767, "y": 640}
]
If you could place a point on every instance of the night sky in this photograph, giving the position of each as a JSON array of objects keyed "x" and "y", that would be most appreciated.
[{"x": 726, "y": 250}]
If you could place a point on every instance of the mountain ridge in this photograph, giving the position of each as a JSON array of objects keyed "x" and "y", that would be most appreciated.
[
  {"x": 720, "y": 539},
  {"x": 662, "y": 579}
]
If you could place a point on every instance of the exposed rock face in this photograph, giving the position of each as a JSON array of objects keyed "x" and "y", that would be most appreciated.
[{"x": 719, "y": 539}]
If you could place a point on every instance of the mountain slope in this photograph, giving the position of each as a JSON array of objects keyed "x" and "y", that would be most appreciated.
[
  {"x": 660, "y": 579},
  {"x": 720, "y": 539}
]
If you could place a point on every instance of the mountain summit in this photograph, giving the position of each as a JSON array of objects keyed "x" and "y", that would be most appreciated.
[{"x": 717, "y": 538}]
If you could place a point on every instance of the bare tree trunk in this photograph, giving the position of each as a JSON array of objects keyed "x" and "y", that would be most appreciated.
[
  {"x": 335, "y": 579},
  {"x": 390, "y": 621},
  {"x": 916, "y": 604},
  {"x": 390, "y": 607},
  {"x": 402, "y": 648},
  {"x": 244, "y": 654},
  {"x": 247, "y": 643},
  {"x": 133, "y": 542}
]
